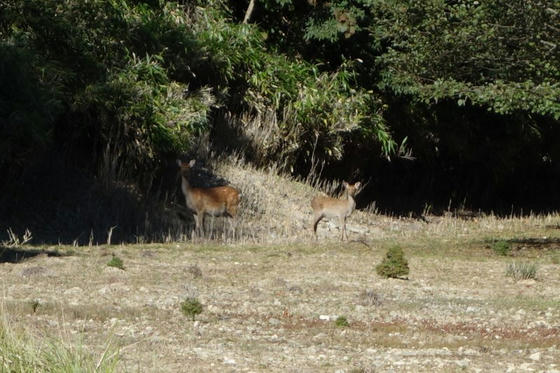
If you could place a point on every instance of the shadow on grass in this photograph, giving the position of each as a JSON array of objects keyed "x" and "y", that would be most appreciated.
[
  {"x": 62, "y": 203},
  {"x": 534, "y": 241},
  {"x": 18, "y": 255}
]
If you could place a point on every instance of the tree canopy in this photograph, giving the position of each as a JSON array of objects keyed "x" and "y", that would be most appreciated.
[{"x": 125, "y": 85}]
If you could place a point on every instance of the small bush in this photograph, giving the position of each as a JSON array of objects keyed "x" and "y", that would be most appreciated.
[
  {"x": 191, "y": 307},
  {"x": 195, "y": 271},
  {"x": 501, "y": 247},
  {"x": 341, "y": 322},
  {"x": 35, "y": 305},
  {"x": 370, "y": 298},
  {"x": 522, "y": 271},
  {"x": 116, "y": 262},
  {"x": 394, "y": 264}
]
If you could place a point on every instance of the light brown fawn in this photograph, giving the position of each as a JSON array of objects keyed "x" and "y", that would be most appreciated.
[
  {"x": 328, "y": 207},
  {"x": 215, "y": 201}
]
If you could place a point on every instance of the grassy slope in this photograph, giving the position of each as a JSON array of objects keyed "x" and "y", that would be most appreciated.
[{"x": 271, "y": 296}]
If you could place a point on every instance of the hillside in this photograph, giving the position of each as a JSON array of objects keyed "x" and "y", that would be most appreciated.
[{"x": 271, "y": 294}]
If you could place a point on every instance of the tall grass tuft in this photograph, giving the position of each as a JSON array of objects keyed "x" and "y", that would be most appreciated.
[
  {"x": 522, "y": 271},
  {"x": 20, "y": 352}
]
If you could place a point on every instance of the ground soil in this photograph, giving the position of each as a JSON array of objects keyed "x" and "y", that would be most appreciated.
[{"x": 274, "y": 306}]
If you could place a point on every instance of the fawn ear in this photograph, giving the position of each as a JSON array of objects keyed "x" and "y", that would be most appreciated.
[
  {"x": 192, "y": 162},
  {"x": 358, "y": 184}
]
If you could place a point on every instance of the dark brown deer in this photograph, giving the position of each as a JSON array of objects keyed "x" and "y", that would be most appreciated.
[{"x": 215, "y": 201}]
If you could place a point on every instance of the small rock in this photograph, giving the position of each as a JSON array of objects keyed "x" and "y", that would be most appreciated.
[
  {"x": 73, "y": 291},
  {"x": 535, "y": 357},
  {"x": 319, "y": 336}
]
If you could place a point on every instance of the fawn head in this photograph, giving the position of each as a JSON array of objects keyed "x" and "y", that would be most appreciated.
[
  {"x": 184, "y": 167},
  {"x": 352, "y": 189}
]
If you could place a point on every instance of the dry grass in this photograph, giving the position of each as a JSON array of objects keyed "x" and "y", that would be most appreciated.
[
  {"x": 25, "y": 348},
  {"x": 271, "y": 294}
]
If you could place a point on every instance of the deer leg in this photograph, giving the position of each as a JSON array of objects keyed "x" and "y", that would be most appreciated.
[
  {"x": 195, "y": 230},
  {"x": 231, "y": 227},
  {"x": 201, "y": 223},
  {"x": 343, "y": 228},
  {"x": 316, "y": 220}
]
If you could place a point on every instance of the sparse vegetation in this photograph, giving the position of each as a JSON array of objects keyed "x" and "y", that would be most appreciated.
[
  {"x": 341, "y": 322},
  {"x": 370, "y": 298},
  {"x": 260, "y": 296},
  {"x": 394, "y": 264},
  {"x": 35, "y": 305},
  {"x": 522, "y": 270},
  {"x": 116, "y": 262},
  {"x": 14, "y": 240},
  {"x": 195, "y": 271},
  {"x": 501, "y": 247},
  {"x": 191, "y": 307},
  {"x": 21, "y": 352}
]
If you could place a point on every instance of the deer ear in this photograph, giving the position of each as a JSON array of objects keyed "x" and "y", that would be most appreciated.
[
  {"x": 345, "y": 184},
  {"x": 192, "y": 162},
  {"x": 179, "y": 162},
  {"x": 357, "y": 185}
]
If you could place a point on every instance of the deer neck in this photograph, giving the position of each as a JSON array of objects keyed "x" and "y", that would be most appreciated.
[
  {"x": 185, "y": 185},
  {"x": 351, "y": 202}
]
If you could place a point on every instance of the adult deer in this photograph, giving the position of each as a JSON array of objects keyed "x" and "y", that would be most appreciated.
[
  {"x": 215, "y": 201},
  {"x": 328, "y": 207}
]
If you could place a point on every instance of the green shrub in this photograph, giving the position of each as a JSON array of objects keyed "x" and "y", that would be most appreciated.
[
  {"x": 191, "y": 307},
  {"x": 116, "y": 262},
  {"x": 394, "y": 264},
  {"x": 522, "y": 271},
  {"x": 501, "y": 247},
  {"x": 341, "y": 321}
]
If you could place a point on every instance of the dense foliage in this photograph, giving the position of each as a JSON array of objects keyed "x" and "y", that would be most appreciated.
[{"x": 467, "y": 88}]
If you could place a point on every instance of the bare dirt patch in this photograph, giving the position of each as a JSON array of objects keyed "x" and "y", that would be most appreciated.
[{"x": 273, "y": 307}]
